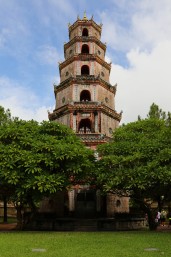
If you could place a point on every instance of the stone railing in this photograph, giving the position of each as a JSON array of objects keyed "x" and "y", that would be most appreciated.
[{"x": 93, "y": 137}]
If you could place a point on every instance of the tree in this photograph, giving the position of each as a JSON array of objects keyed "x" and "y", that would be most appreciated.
[
  {"x": 138, "y": 162},
  {"x": 38, "y": 160},
  {"x": 156, "y": 113},
  {"x": 5, "y": 116}
]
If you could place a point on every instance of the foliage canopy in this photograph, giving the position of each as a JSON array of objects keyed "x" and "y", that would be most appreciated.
[
  {"x": 138, "y": 161},
  {"x": 40, "y": 159}
]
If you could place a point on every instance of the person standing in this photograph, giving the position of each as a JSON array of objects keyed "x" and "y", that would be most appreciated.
[{"x": 158, "y": 217}]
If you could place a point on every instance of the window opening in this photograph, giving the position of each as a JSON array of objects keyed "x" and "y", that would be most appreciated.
[
  {"x": 85, "y": 96},
  {"x": 85, "y": 49},
  {"x": 85, "y": 32},
  {"x": 85, "y": 126},
  {"x": 85, "y": 70},
  {"x": 118, "y": 203}
]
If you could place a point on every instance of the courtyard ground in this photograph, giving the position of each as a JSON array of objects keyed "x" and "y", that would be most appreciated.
[{"x": 85, "y": 244}]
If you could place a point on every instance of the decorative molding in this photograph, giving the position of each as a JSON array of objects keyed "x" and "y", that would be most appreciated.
[
  {"x": 85, "y": 39},
  {"x": 84, "y": 57}
]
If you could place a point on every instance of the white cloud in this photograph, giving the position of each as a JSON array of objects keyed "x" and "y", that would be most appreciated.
[
  {"x": 147, "y": 80},
  {"x": 48, "y": 54},
  {"x": 151, "y": 23},
  {"x": 21, "y": 101},
  {"x": 137, "y": 24},
  {"x": 141, "y": 31}
]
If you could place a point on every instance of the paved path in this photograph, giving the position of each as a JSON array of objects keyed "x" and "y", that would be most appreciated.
[
  {"x": 164, "y": 228},
  {"x": 7, "y": 226}
]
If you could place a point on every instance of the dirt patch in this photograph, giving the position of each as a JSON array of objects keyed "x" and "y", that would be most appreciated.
[{"x": 7, "y": 226}]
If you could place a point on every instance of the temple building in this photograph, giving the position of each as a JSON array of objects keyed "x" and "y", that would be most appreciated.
[
  {"x": 85, "y": 102},
  {"x": 85, "y": 99}
]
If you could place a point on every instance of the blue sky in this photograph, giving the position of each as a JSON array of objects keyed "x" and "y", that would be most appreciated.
[{"x": 138, "y": 37}]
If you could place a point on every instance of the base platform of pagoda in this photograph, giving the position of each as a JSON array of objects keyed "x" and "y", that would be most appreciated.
[{"x": 44, "y": 223}]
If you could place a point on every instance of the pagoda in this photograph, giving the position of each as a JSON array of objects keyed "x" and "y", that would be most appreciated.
[
  {"x": 85, "y": 102},
  {"x": 85, "y": 99}
]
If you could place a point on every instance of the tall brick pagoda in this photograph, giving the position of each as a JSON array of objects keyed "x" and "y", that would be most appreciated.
[
  {"x": 85, "y": 99},
  {"x": 85, "y": 102}
]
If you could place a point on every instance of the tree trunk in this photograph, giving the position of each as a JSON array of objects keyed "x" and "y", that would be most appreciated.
[
  {"x": 146, "y": 208},
  {"x": 19, "y": 217},
  {"x": 160, "y": 203},
  {"x": 5, "y": 209},
  {"x": 151, "y": 219}
]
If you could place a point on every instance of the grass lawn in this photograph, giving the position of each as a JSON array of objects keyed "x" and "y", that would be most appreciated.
[{"x": 85, "y": 244}]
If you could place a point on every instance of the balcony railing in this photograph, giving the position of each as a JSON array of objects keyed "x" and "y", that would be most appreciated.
[
  {"x": 93, "y": 137},
  {"x": 87, "y": 102}
]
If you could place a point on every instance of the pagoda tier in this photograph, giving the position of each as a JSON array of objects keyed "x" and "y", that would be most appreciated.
[
  {"x": 85, "y": 57},
  {"x": 84, "y": 40}
]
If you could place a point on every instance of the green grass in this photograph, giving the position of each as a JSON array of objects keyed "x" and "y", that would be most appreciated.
[{"x": 88, "y": 244}]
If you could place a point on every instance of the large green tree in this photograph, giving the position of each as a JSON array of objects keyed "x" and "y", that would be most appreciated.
[
  {"x": 5, "y": 118},
  {"x": 138, "y": 161},
  {"x": 38, "y": 160},
  {"x": 5, "y": 115}
]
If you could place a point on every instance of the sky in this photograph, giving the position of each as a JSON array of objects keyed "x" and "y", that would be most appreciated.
[{"x": 138, "y": 38}]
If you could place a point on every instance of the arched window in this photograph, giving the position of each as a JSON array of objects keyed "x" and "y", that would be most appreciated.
[
  {"x": 85, "y": 70},
  {"x": 85, "y": 96},
  {"x": 85, "y": 32},
  {"x": 85, "y": 49},
  {"x": 118, "y": 203},
  {"x": 85, "y": 126}
]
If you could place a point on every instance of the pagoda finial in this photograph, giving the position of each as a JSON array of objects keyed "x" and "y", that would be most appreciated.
[{"x": 85, "y": 16}]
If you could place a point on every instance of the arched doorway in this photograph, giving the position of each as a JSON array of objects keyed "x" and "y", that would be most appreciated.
[
  {"x": 85, "y": 49},
  {"x": 85, "y": 126},
  {"x": 85, "y": 32},
  {"x": 85, "y": 96},
  {"x": 86, "y": 203},
  {"x": 85, "y": 70}
]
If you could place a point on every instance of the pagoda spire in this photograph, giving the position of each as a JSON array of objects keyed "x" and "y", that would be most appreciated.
[{"x": 85, "y": 16}]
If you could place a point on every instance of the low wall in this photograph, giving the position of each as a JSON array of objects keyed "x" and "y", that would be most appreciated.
[
  {"x": 51, "y": 223},
  {"x": 121, "y": 224}
]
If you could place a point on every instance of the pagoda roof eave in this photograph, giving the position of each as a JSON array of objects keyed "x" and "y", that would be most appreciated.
[
  {"x": 85, "y": 39},
  {"x": 85, "y": 79},
  {"x": 87, "y": 107},
  {"x": 85, "y": 22},
  {"x": 85, "y": 57}
]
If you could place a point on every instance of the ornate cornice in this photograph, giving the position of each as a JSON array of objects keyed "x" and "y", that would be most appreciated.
[
  {"x": 85, "y": 57},
  {"x": 85, "y": 107},
  {"x": 85, "y": 39},
  {"x": 80, "y": 79}
]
